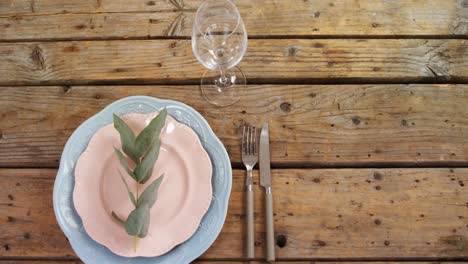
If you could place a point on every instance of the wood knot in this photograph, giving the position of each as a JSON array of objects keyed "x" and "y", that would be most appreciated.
[
  {"x": 386, "y": 243},
  {"x": 378, "y": 175},
  {"x": 317, "y": 180},
  {"x": 80, "y": 26},
  {"x": 377, "y": 222},
  {"x": 281, "y": 241},
  {"x": 404, "y": 122},
  {"x": 317, "y": 14},
  {"x": 150, "y": 3},
  {"x": 320, "y": 243},
  {"x": 318, "y": 45},
  {"x": 66, "y": 88},
  {"x": 37, "y": 58},
  {"x": 286, "y": 107},
  {"x": 356, "y": 120},
  {"x": 120, "y": 70},
  {"x": 292, "y": 51}
]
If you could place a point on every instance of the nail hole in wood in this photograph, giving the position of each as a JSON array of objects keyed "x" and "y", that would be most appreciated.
[{"x": 281, "y": 241}]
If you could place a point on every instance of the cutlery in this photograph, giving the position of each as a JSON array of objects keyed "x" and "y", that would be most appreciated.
[
  {"x": 265, "y": 181},
  {"x": 250, "y": 158}
]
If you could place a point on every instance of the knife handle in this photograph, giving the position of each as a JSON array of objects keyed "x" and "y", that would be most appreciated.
[
  {"x": 250, "y": 217},
  {"x": 270, "y": 229}
]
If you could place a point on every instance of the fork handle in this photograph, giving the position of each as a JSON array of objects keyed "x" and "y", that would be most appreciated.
[{"x": 250, "y": 216}]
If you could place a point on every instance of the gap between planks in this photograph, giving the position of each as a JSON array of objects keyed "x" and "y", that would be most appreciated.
[{"x": 318, "y": 37}]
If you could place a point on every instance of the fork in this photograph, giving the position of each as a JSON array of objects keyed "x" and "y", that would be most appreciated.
[{"x": 250, "y": 158}]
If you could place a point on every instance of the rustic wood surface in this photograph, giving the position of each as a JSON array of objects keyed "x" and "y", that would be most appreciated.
[
  {"x": 100, "y": 19},
  {"x": 311, "y": 125},
  {"x": 266, "y": 60},
  {"x": 319, "y": 214},
  {"x": 241, "y": 261},
  {"x": 363, "y": 88}
]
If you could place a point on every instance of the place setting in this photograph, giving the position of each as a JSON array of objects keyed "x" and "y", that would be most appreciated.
[
  {"x": 233, "y": 131},
  {"x": 146, "y": 180}
]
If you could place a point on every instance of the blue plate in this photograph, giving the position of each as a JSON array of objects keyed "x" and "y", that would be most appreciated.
[{"x": 90, "y": 251}]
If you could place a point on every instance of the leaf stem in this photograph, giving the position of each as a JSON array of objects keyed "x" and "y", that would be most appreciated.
[{"x": 137, "y": 196}]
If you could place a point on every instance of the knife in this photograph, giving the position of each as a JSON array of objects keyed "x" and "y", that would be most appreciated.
[{"x": 265, "y": 181}]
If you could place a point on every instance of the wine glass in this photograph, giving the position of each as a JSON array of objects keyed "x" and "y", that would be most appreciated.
[{"x": 219, "y": 41}]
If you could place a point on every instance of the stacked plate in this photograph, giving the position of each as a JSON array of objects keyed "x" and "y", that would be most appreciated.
[{"x": 192, "y": 201}]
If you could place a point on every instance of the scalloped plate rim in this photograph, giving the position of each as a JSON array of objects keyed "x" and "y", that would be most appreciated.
[{"x": 211, "y": 138}]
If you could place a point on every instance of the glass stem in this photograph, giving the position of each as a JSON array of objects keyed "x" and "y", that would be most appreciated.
[{"x": 222, "y": 76}]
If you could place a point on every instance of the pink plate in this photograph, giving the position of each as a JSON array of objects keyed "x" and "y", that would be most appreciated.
[{"x": 184, "y": 195}]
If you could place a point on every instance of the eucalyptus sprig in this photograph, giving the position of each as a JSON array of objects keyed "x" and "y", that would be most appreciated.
[{"x": 143, "y": 150}]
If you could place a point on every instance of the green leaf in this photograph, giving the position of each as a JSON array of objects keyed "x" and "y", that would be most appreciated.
[
  {"x": 127, "y": 138},
  {"x": 150, "y": 133},
  {"x": 132, "y": 196},
  {"x": 150, "y": 194},
  {"x": 124, "y": 163},
  {"x": 144, "y": 170},
  {"x": 138, "y": 221},
  {"x": 117, "y": 219},
  {"x": 145, "y": 228}
]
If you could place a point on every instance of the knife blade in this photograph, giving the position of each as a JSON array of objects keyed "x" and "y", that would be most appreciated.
[
  {"x": 265, "y": 181},
  {"x": 265, "y": 174}
]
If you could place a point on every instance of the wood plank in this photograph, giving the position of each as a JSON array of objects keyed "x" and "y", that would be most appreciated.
[
  {"x": 266, "y": 60},
  {"x": 40, "y": 261},
  {"x": 91, "y": 19},
  {"x": 333, "y": 262},
  {"x": 328, "y": 262},
  {"x": 319, "y": 213},
  {"x": 310, "y": 125}
]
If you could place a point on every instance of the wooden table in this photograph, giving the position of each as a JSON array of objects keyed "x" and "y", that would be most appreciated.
[{"x": 367, "y": 102}]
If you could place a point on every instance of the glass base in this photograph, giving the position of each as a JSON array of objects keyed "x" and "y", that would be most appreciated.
[{"x": 223, "y": 91}]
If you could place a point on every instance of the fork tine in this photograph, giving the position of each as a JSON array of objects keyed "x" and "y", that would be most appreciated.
[
  {"x": 251, "y": 140},
  {"x": 244, "y": 140},
  {"x": 248, "y": 140},
  {"x": 255, "y": 145}
]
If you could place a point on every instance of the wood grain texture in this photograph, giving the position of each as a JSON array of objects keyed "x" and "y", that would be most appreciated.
[
  {"x": 332, "y": 213},
  {"x": 310, "y": 125},
  {"x": 266, "y": 60},
  {"x": 39, "y": 261},
  {"x": 52, "y": 19},
  {"x": 270, "y": 61}
]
